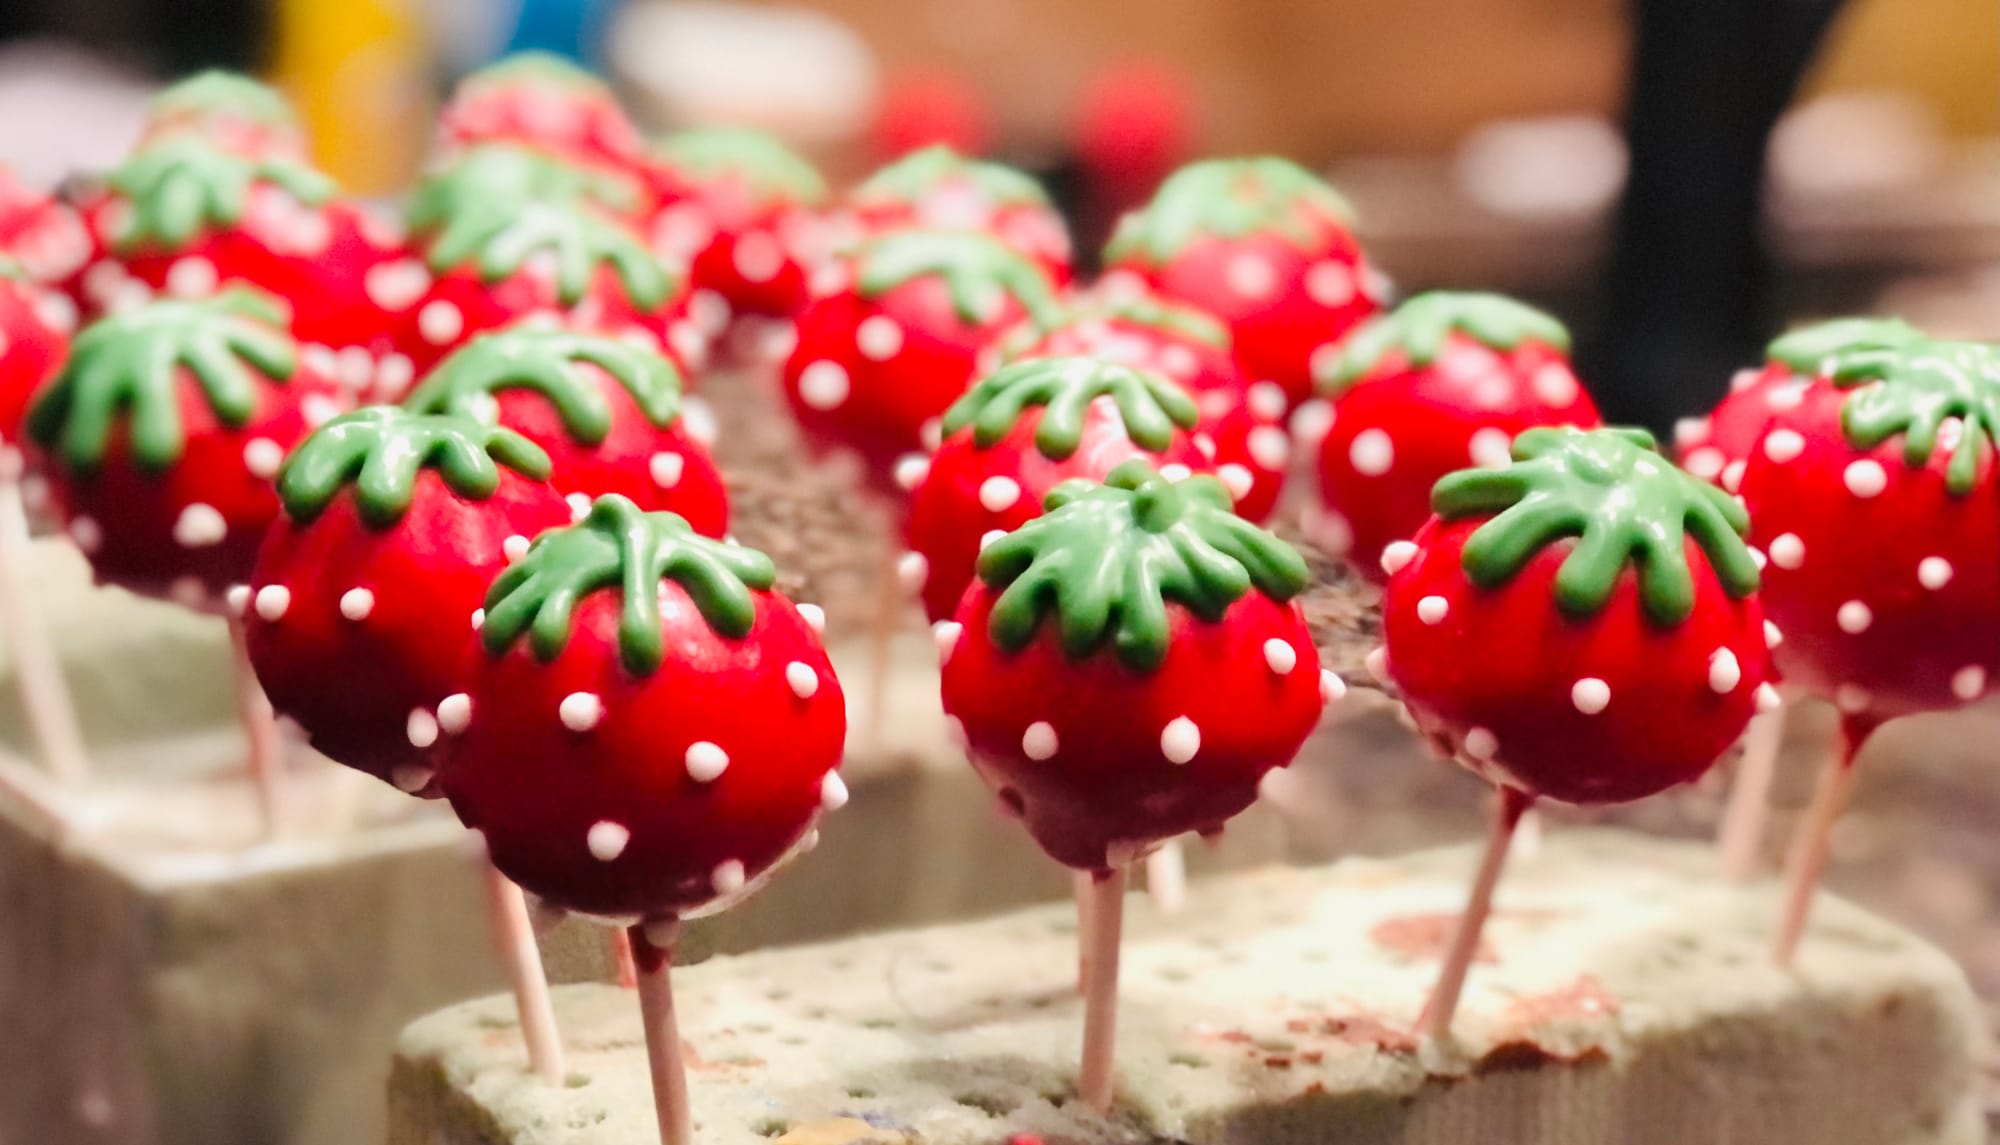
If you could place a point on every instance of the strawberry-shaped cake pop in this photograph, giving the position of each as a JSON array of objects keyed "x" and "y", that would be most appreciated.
[
  {"x": 652, "y": 728},
  {"x": 1242, "y": 425},
  {"x": 742, "y": 218},
  {"x": 363, "y": 608},
  {"x": 164, "y": 431},
  {"x": 33, "y": 342},
  {"x": 607, "y": 412},
  {"x": 501, "y": 234},
  {"x": 936, "y": 188},
  {"x": 1015, "y": 437},
  {"x": 1717, "y": 447},
  {"x": 1876, "y": 500},
  {"x": 890, "y": 345},
  {"x": 40, "y": 232},
  {"x": 1445, "y": 381},
  {"x": 229, "y": 109},
  {"x": 546, "y": 102},
  {"x": 1263, "y": 245},
  {"x": 1128, "y": 665},
  {"x": 1580, "y": 623}
]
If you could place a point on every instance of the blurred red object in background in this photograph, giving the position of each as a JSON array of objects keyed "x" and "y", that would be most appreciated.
[{"x": 921, "y": 107}]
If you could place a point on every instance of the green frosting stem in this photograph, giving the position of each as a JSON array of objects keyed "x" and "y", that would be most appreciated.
[
  {"x": 479, "y": 191},
  {"x": 1150, "y": 405},
  {"x": 1419, "y": 328},
  {"x": 1610, "y": 489},
  {"x": 770, "y": 170},
  {"x": 1805, "y": 350},
  {"x": 180, "y": 184},
  {"x": 617, "y": 546},
  {"x": 1913, "y": 389},
  {"x": 500, "y": 241},
  {"x": 1228, "y": 198},
  {"x": 546, "y": 362},
  {"x": 978, "y": 271},
  {"x": 1104, "y": 560},
  {"x": 125, "y": 367},
  {"x": 381, "y": 449},
  {"x": 225, "y": 95},
  {"x": 922, "y": 171}
]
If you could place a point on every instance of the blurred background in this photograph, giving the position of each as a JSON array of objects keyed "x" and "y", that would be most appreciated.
[{"x": 1677, "y": 178}]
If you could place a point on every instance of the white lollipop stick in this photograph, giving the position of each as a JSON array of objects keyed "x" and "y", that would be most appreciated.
[
  {"x": 51, "y": 715},
  {"x": 1740, "y": 842},
  {"x": 521, "y": 958},
  {"x": 1105, "y": 917},
  {"x": 654, "y": 957}
]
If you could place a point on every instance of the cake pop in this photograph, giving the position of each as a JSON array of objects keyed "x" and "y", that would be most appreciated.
[
  {"x": 40, "y": 233},
  {"x": 936, "y": 188},
  {"x": 1621, "y": 594},
  {"x": 544, "y": 102},
  {"x": 1443, "y": 381}
]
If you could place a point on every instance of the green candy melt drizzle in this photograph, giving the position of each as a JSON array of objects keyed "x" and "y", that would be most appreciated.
[
  {"x": 1806, "y": 350},
  {"x": 180, "y": 184},
  {"x": 381, "y": 449},
  {"x": 1624, "y": 504},
  {"x": 499, "y": 229},
  {"x": 1419, "y": 328},
  {"x": 618, "y": 546},
  {"x": 976, "y": 269},
  {"x": 1914, "y": 389},
  {"x": 922, "y": 171},
  {"x": 1104, "y": 560},
  {"x": 1150, "y": 405},
  {"x": 124, "y": 367},
  {"x": 768, "y": 168},
  {"x": 546, "y": 362},
  {"x": 481, "y": 189},
  {"x": 1227, "y": 198}
]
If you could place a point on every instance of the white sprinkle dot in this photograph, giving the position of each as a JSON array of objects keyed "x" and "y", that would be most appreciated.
[
  {"x": 814, "y": 616},
  {"x": 1481, "y": 743},
  {"x": 421, "y": 728},
  {"x": 1757, "y": 557},
  {"x": 1331, "y": 686},
  {"x": 237, "y": 598},
  {"x": 606, "y": 840},
  {"x": 1371, "y": 453},
  {"x": 579, "y": 506},
  {"x": 1724, "y": 672},
  {"x": 1433, "y": 609},
  {"x": 1396, "y": 554},
  {"x": 1267, "y": 400},
  {"x": 478, "y": 619},
  {"x": 1331, "y": 284},
  {"x": 454, "y": 713},
  {"x": 440, "y": 322},
  {"x": 1782, "y": 445},
  {"x": 396, "y": 286},
  {"x": 1787, "y": 551},
  {"x": 879, "y": 338},
  {"x": 514, "y": 547},
  {"x": 1250, "y": 275},
  {"x": 1039, "y": 741},
  {"x": 823, "y": 385},
  {"x": 392, "y": 376},
  {"x": 998, "y": 494},
  {"x": 802, "y": 680},
  {"x": 945, "y": 633},
  {"x": 192, "y": 278},
  {"x": 912, "y": 570},
  {"x": 1280, "y": 656},
  {"x": 1705, "y": 463},
  {"x": 1732, "y": 474},
  {"x": 1933, "y": 573},
  {"x": 1852, "y": 699},
  {"x": 411, "y": 778},
  {"x": 1968, "y": 682},
  {"x": 1772, "y": 637},
  {"x": 728, "y": 877},
  {"x": 832, "y": 792},
  {"x": 357, "y": 603},
  {"x": 666, "y": 469},
  {"x": 1866, "y": 477},
  {"x": 272, "y": 601},
  {"x": 199, "y": 526},
  {"x": 1491, "y": 448},
  {"x": 1554, "y": 384},
  {"x": 1377, "y": 663},
  {"x": 911, "y": 469},
  {"x": 1238, "y": 480},
  {"x": 1768, "y": 699},
  {"x": 705, "y": 761},
  {"x": 1311, "y": 421},
  {"x": 1270, "y": 447},
  {"x": 698, "y": 418},
  {"x": 262, "y": 457},
  {"x": 1590, "y": 695},
  {"x": 1854, "y": 617},
  {"x": 580, "y": 711},
  {"x": 989, "y": 536},
  {"x": 1180, "y": 740},
  {"x": 1175, "y": 472}
]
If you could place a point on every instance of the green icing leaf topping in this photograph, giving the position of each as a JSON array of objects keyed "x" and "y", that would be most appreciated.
[
  {"x": 978, "y": 270},
  {"x": 760, "y": 160},
  {"x": 581, "y": 240},
  {"x": 1228, "y": 198},
  {"x": 484, "y": 187},
  {"x": 1104, "y": 560},
  {"x": 381, "y": 449},
  {"x": 181, "y": 183},
  {"x": 1914, "y": 389},
  {"x": 1144, "y": 311},
  {"x": 546, "y": 361},
  {"x": 1419, "y": 327},
  {"x": 618, "y": 546},
  {"x": 1805, "y": 350},
  {"x": 1150, "y": 405},
  {"x": 125, "y": 366},
  {"x": 221, "y": 94},
  {"x": 922, "y": 171},
  {"x": 1610, "y": 489}
]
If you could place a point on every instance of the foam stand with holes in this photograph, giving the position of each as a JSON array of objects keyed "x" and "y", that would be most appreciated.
[{"x": 1624, "y": 994}]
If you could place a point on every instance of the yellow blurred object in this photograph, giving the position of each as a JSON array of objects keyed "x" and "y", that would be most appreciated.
[
  {"x": 1944, "y": 52},
  {"x": 357, "y": 70}
]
